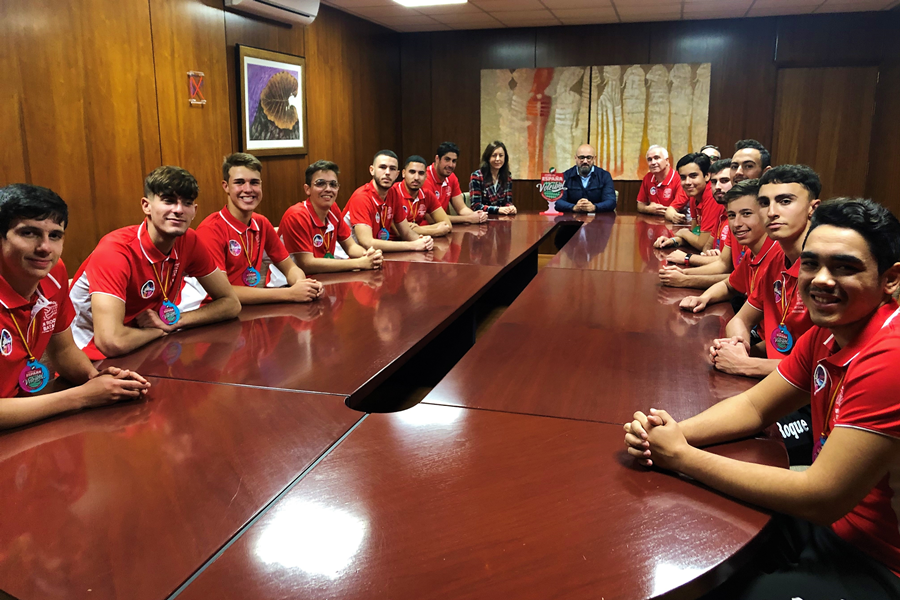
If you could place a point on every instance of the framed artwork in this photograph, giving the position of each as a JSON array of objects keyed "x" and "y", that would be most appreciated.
[{"x": 272, "y": 97}]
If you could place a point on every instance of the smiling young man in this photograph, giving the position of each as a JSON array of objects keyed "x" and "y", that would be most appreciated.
[
  {"x": 699, "y": 202},
  {"x": 415, "y": 205},
  {"x": 36, "y": 315},
  {"x": 312, "y": 229},
  {"x": 442, "y": 184},
  {"x": 661, "y": 185},
  {"x": 238, "y": 238},
  {"x": 371, "y": 213},
  {"x": 843, "y": 511},
  {"x": 747, "y": 228},
  {"x": 751, "y": 159},
  {"x": 126, "y": 293}
]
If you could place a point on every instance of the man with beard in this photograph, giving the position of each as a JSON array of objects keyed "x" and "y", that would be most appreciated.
[
  {"x": 587, "y": 188},
  {"x": 661, "y": 186},
  {"x": 751, "y": 159},
  {"x": 415, "y": 204},
  {"x": 371, "y": 213},
  {"x": 836, "y": 521},
  {"x": 126, "y": 293},
  {"x": 442, "y": 185}
]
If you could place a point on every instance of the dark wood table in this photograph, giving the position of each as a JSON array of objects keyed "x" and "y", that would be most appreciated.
[
  {"x": 129, "y": 500},
  {"x": 364, "y": 327},
  {"x": 440, "y": 502}
]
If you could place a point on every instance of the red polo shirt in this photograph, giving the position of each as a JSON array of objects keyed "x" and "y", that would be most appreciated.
[
  {"x": 366, "y": 207},
  {"x": 705, "y": 210},
  {"x": 414, "y": 208},
  {"x": 664, "y": 193},
  {"x": 737, "y": 250},
  {"x": 721, "y": 233},
  {"x": 863, "y": 380},
  {"x": 235, "y": 246},
  {"x": 441, "y": 190},
  {"x": 744, "y": 278},
  {"x": 776, "y": 295},
  {"x": 302, "y": 230},
  {"x": 48, "y": 311},
  {"x": 122, "y": 265}
]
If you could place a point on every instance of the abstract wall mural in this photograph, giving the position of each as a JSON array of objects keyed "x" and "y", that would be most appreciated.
[{"x": 542, "y": 115}]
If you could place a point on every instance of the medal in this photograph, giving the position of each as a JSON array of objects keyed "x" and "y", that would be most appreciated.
[
  {"x": 35, "y": 375},
  {"x": 250, "y": 277},
  {"x": 169, "y": 313},
  {"x": 329, "y": 255},
  {"x": 782, "y": 340},
  {"x": 384, "y": 234}
]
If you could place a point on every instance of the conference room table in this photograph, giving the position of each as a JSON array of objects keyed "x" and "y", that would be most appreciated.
[{"x": 246, "y": 473}]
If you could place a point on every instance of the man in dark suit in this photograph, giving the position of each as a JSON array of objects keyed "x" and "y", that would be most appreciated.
[{"x": 589, "y": 188}]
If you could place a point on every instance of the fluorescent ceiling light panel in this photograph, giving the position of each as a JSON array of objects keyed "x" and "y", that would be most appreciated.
[{"x": 414, "y": 3}]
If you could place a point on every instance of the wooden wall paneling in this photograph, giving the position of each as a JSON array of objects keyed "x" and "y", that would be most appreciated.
[
  {"x": 86, "y": 112},
  {"x": 415, "y": 95},
  {"x": 834, "y": 40},
  {"x": 824, "y": 120},
  {"x": 189, "y": 35},
  {"x": 14, "y": 157},
  {"x": 283, "y": 176},
  {"x": 586, "y": 45},
  {"x": 884, "y": 151},
  {"x": 743, "y": 76}
]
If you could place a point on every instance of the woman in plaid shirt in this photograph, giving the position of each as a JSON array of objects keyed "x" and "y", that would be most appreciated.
[{"x": 490, "y": 187}]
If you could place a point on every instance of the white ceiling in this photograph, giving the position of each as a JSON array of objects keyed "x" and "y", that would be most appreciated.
[{"x": 489, "y": 14}]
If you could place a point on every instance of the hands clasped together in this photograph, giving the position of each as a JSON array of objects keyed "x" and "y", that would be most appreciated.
[{"x": 656, "y": 439}]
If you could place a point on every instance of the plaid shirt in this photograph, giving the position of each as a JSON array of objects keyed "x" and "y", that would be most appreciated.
[{"x": 489, "y": 198}]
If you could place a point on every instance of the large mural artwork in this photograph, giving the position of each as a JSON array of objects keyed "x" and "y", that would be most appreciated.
[{"x": 543, "y": 115}]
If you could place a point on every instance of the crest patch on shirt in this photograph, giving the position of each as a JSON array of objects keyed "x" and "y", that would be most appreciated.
[
  {"x": 653, "y": 191},
  {"x": 667, "y": 193},
  {"x": 148, "y": 289},
  {"x": 234, "y": 247},
  {"x": 318, "y": 240},
  {"x": 820, "y": 378},
  {"x": 777, "y": 287},
  {"x": 5, "y": 343}
]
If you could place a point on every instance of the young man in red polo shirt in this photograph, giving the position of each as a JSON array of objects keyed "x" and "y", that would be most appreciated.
[
  {"x": 415, "y": 204},
  {"x": 788, "y": 194},
  {"x": 35, "y": 314},
  {"x": 699, "y": 202},
  {"x": 126, "y": 293},
  {"x": 371, "y": 212},
  {"x": 713, "y": 265},
  {"x": 751, "y": 159},
  {"x": 661, "y": 186},
  {"x": 747, "y": 225},
  {"x": 312, "y": 229},
  {"x": 840, "y": 517},
  {"x": 238, "y": 238},
  {"x": 442, "y": 185}
]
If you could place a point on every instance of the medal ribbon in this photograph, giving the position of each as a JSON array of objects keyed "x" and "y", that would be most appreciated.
[
  {"x": 244, "y": 248},
  {"x": 22, "y": 336},
  {"x": 786, "y": 301},
  {"x": 163, "y": 289}
]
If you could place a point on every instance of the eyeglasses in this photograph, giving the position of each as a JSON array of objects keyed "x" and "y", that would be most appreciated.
[
  {"x": 585, "y": 157},
  {"x": 322, "y": 184}
]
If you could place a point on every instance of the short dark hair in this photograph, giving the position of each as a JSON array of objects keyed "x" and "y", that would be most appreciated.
[
  {"x": 446, "y": 148},
  {"x": 801, "y": 174},
  {"x": 415, "y": 158},
  {"x": 719, "y": 166},
  {"x": 698, "y": 158},
  {"x": 388, "y": 153},
  {"x": 321, "y": 165},
  {"x": 872, "y": 221},
  {"x": 747, "y": 187},
  {"x": 169, "y": 181},
  {"x": 25, "y": 201},
  {"x": 240, "y": 159},
  {"x": 764, "y": 157}
]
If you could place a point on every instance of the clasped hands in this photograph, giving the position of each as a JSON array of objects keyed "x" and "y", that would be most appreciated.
[
  {"x": 656, "y": 439},
  {"x": 730, "y": 355}
]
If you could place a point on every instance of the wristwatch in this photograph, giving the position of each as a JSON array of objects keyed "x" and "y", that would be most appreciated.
[{"x": 687, "y": 260}]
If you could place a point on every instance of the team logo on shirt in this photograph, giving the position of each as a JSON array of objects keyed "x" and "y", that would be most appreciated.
[
  {"x": 148, "y": 289},
  {"x": 49, "y": 323},
  {"x": 377, "y": 217},
  {"x": 422, "y": 209},
  {"x": 318, "y": 240},
  {"x": 820, "y": 377},
  {"x": 5, "y": 343},
  {"x": 667, "y": 193},
  {"x": 234, "y": 247},
  {"x": 405, "y": 209},
  {"x": 777, "y": 287},
  {"x": 653, "y": 191}
]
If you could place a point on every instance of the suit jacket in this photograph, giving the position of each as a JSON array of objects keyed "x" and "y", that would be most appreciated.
[{"x": 599, "y": 191}]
